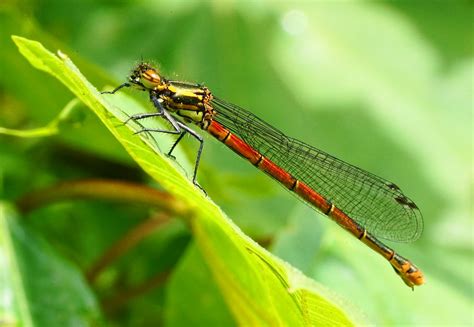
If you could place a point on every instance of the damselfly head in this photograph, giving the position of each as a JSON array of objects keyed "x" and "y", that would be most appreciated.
[{"x": 146, "y": 77}]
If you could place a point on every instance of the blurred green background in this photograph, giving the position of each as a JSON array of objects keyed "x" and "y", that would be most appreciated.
[{"x": 384, "y": 85}]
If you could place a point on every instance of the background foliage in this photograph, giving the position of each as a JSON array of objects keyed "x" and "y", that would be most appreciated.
[{"x": 384, "y": 85}]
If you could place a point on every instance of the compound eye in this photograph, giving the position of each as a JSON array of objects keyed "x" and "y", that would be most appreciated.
[
  {"x": 152, "y": 75},
  {"x": 150, "y": 78}
]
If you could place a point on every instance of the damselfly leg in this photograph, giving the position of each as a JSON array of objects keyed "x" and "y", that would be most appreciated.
[{"x": 178, "y": 127}]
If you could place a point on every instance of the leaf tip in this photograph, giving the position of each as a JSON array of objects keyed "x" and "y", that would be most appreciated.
[
  {"x": 62, "y": 55},
  {"x": 16, "y": 38}
]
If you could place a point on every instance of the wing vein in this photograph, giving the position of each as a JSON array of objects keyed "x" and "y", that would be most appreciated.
[{"x": 376, "y": 204}]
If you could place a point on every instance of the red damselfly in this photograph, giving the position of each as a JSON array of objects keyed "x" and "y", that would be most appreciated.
[{"x": 367, "y": 206}]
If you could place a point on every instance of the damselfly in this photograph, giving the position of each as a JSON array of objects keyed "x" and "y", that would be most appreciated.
[{"x": 367, "y": 206}]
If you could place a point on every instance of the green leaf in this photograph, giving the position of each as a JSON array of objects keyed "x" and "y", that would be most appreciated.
[
  {"x": 36, "y": 285},
  {"x": 258, "y": 288}
]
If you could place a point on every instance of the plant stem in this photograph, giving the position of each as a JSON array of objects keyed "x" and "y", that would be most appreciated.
[
  {"x": 124, "y": 244},
  {"x": 104, "y": 189}
]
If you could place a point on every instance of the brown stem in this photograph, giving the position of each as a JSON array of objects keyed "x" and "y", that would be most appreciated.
[
  {"x": 124, "y": 244},
  {"x": 112, "y": 304},
  {"x": 102, "y": 189}
]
